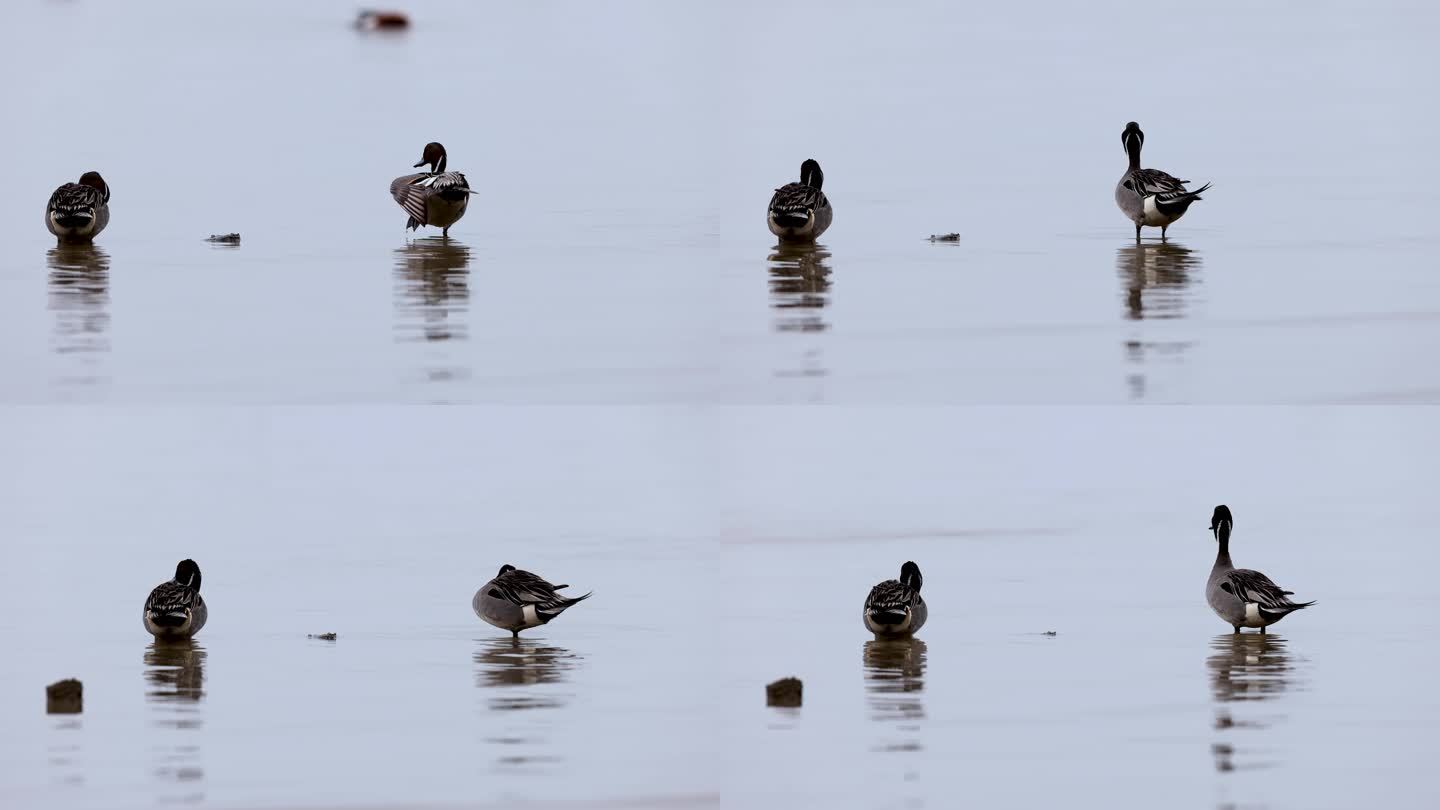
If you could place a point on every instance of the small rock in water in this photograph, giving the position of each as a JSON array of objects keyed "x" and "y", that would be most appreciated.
[
  {"x": 64, "y": 697},
  {"x": 784, "y": 692},
  {"x": 944, "y": 237},
  {"x": 323, "y": 636},
  {"x": 225, "y": 238},
  {"x": 1048, "y": 633}
]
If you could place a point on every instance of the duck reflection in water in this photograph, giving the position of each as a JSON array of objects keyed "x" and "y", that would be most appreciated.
[
  {"x": 1157, "y": 278},
  {"x": 1245, "y": 668},
  {"x": 175, "y": 690},
  {"x": 524, "y": 677},
  {"x": 894, "y": 681},
  {"x": 800, "y": 286},
  {"x": 80, "y": 298},
  {"x": 432, "y": 289}
]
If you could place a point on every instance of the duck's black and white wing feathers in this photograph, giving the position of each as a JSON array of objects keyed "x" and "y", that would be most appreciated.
[
  {"x": 1164, "y": 187},
  {"x": 1254, "y": 587},
  {"x": 413, "y": 191},
  {"x": 890, "y": 596},
  {"x": 524, "y": 589},
  {"x": 172, "y": 598},
  {"x": 797, "y": 198},
  {"x": 73, "y": 198}
]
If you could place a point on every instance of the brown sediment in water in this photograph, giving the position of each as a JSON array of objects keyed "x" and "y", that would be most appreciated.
[
  {"x": 784, "y": 692},
  {"x": 64, "y": 697}
]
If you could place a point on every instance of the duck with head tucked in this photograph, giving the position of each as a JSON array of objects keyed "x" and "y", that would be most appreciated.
[
  {"x": 800, "y": 212},
  {"x": 175, "y": 610},
  {"x": 78, "y": 212},
  {"x": 518, "y": 600},
  {"x": 437, "y": 197},
  {"x": 894, "y": 608}
]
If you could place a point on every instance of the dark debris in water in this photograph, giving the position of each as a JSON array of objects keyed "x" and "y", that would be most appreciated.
[
  {"x": 64, "y": 697},
  {"x": 324, "y": 636},
  {"x": 224, "y": 238},
  {"x": 784, "y": 692},
  {"x": 1049, "y": 633},
  {"x": 378, "y": 20},
  {"x": 944, "y": 237}
]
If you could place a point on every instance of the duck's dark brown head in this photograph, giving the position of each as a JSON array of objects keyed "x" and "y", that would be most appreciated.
[
  {"x": 187, "y": 573},
  {"x": 433, "y": 156},
  {"x": 1132, "y": 138},
  {"x": 1221, "y": 522},
  {"x": 810, "y": 173},
  {"x": 95, "y": 181},
  {"x": 910, "y": 576}
]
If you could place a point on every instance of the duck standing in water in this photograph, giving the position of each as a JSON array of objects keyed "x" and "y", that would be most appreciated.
[
  {"x": 78, "y": 212},
  {"x": 800, "y": 212},
  {"x": 1150, "y": 196},
  {"x": 518, "y": 600},
  {"x": 1243, "y": 598},
  {"x": 894, "y": 608},
  {"x": 174, "y": 609},
  {"x": 436, "y": 197}
]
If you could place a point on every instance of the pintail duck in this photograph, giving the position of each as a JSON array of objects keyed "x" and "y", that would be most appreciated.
[
  {"x": 175, "y": 609},
  {"x": 1150, "y": 196},
  {"x": 894, "y": 608},
  {"x": 800, "y": 212},
  {"x": 78, "y": 212},
  {"x": 436, "y": 197},
  {"x": 1243, "y": 598},
  {"x": 518, "y": 600}
]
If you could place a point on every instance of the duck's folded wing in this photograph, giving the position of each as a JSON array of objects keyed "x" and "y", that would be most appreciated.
[
  {"x": 1253, "y": 586},
  {"x": 797, "y": 197},
  {"x": 74, "y": 198},
  {"x": 171, "y": 597},
  {"x": 524, "y": 588},
  {"x": 1154, "y": 181},
  {"x": 888, "y": 595}
]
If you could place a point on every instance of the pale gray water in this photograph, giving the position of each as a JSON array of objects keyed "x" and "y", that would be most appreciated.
[{"x": 616, "y": 255}]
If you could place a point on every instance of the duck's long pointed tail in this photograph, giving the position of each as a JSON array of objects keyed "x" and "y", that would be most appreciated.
[{"x": 560, "y": 605}]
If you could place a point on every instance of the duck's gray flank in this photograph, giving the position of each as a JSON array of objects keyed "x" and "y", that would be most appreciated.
[
  {"x": 1240, "y": 596},
  {"x": 894, "y": 607},
  {"x": 1149, "y": 196},
  {"x": 517, "y": 600},
  {"x": 175, "y": 609}
]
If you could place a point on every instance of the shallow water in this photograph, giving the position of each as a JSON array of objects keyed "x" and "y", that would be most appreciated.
[{"x": 619, "y": 324}]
